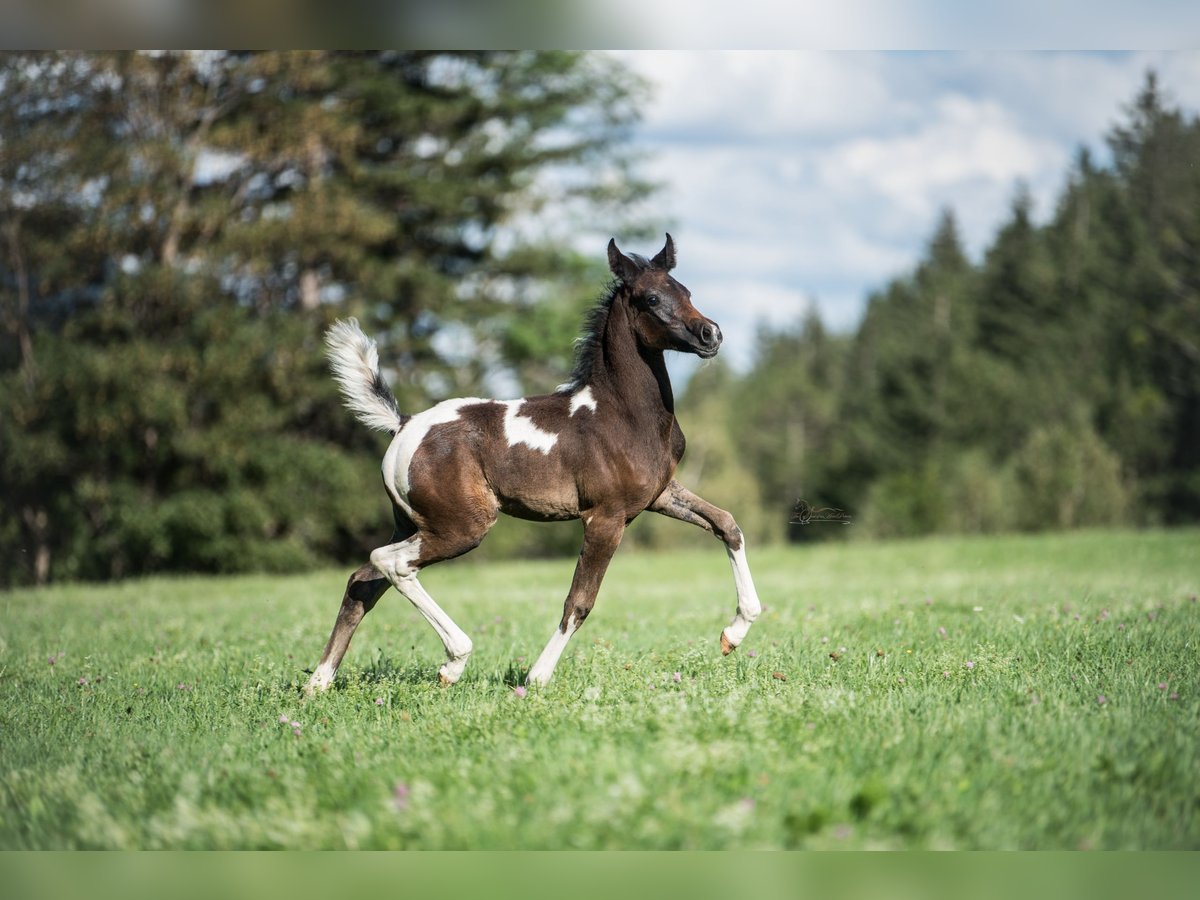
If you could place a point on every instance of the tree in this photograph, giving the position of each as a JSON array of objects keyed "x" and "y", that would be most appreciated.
[
  {"x": 183, "y": 226},
  {"x": 912, "y": 374},
  {"x": 1157, "y": 339},
  {"x": 50, "y": 167},
  {"x": 786, "y": 417}
]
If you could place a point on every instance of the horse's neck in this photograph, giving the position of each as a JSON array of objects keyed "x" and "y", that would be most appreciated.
[{"x": 637, "y": 377}]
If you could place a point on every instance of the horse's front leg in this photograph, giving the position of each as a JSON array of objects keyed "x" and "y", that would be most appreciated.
[
  {"x": 680, "y": 503},
  {"x": 601, "y": 535}
]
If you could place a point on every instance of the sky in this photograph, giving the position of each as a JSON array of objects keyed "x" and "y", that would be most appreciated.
[{"x": 800, "y": 177}]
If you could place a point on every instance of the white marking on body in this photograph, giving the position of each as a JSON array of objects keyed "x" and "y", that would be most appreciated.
[
  {"x": 396, "y": 561},
  {"x": 583, "y": 399},
  {"x": 544, "y": 667},
  {"x": 748, "y": 606},
  {"x": 398, "y": 459},
  {"x": 520, "y": 430}
]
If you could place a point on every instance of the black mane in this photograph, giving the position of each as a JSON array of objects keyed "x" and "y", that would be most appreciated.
[{"x": 587, "y": 345}]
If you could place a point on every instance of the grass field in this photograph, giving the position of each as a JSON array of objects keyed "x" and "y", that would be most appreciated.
[{"x": 1016, "y": 692}]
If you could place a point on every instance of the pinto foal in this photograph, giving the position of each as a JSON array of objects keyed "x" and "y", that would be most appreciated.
[{"x": 601, "y": 448}]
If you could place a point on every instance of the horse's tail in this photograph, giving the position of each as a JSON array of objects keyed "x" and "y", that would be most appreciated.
[{"x": 354, "y": 359}]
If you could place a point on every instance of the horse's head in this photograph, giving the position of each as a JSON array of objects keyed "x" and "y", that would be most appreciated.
[{"x": 660, "y": 307}]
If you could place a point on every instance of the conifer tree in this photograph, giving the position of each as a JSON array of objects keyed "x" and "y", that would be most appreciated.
[{"x": 180, "y": 229}]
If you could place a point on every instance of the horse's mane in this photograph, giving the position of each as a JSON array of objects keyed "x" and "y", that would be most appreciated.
[{"x": 587, "y": 345}]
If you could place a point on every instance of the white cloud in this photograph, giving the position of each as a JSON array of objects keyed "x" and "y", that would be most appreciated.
[
  {"x": 760, "y": 96},
  {"x": 768, "y": 23},
  {"x": 911, "y": 25},
  {"x": 964, "y": 140}
]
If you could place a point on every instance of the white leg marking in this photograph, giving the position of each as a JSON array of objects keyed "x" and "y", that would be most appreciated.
[
  {"x": 396, "y": 562},
  {"x": 544, "y": 667},
  {"x": 583, "y": 399},
  {"x": 748, "y": 606},
  {"x": 454, "y": 639},
  {"x": 321, "y": 678},
  {"x": 400, "y": 452},
  {"x": 519, "y": 430}
]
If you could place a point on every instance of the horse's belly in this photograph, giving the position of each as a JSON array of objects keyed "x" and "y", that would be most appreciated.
[{"x": 542, "y": 506}]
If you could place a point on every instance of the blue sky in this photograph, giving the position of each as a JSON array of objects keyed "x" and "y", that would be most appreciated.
[{"x": 810, "y": 175}]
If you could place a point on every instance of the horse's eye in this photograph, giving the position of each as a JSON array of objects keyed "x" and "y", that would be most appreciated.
[{"x": 652, "y": 300}]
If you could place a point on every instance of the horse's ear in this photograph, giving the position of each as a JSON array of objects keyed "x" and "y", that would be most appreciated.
[
  {"x": 620, "y": 264},
  {"x": 666, "y": 256}
]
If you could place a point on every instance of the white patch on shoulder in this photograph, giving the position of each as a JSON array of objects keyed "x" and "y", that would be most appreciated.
[
  {"x": 520, "y": 430},
  {"x": 404, "y": 445},
  {"x": 583, "y": 399}
]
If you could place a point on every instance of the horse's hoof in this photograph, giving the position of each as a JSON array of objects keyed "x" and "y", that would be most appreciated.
[
  {"x": 452, "y": 669},
  {"x": 726, "y": 647}
]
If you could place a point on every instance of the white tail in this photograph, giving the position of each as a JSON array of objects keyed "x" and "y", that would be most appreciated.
[{"x": 354, "y": 359}]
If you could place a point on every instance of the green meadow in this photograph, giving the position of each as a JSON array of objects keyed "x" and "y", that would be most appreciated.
[{"x": 1035, "y": 692}]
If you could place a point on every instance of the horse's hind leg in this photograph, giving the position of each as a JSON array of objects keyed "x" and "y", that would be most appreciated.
[
  {"x": 401, "y": 561},
  {"x": 363, "y": 591},
  {"x": 680, "y": 503}
]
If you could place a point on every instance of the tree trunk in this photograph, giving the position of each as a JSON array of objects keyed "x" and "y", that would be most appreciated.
[
  {"x": 19, "y": 323},
  {"x": 38, "y": 523},
  {"x": 310, "y": 289}
]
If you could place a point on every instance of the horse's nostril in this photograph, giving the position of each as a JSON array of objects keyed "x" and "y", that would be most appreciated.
[{"x": 710, "y": 334}]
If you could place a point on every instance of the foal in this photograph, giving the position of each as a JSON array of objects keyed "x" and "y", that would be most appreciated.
[{"x": 601, "y": 448}]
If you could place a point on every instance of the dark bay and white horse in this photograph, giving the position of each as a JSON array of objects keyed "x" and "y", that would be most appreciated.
[{"x": 602, "y": 448}]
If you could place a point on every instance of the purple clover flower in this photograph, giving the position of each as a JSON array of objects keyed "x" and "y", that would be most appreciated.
[{"x": 400, "y": 796}]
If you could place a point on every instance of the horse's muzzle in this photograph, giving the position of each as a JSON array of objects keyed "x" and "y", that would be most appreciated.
[{"x": 708, "y": 339}]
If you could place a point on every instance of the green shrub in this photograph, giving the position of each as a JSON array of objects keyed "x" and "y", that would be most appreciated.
[
  {"x": 904, "y": 504},
  {"x": 979, "y": 495},
  {"x": 1067, "y": 477}
]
